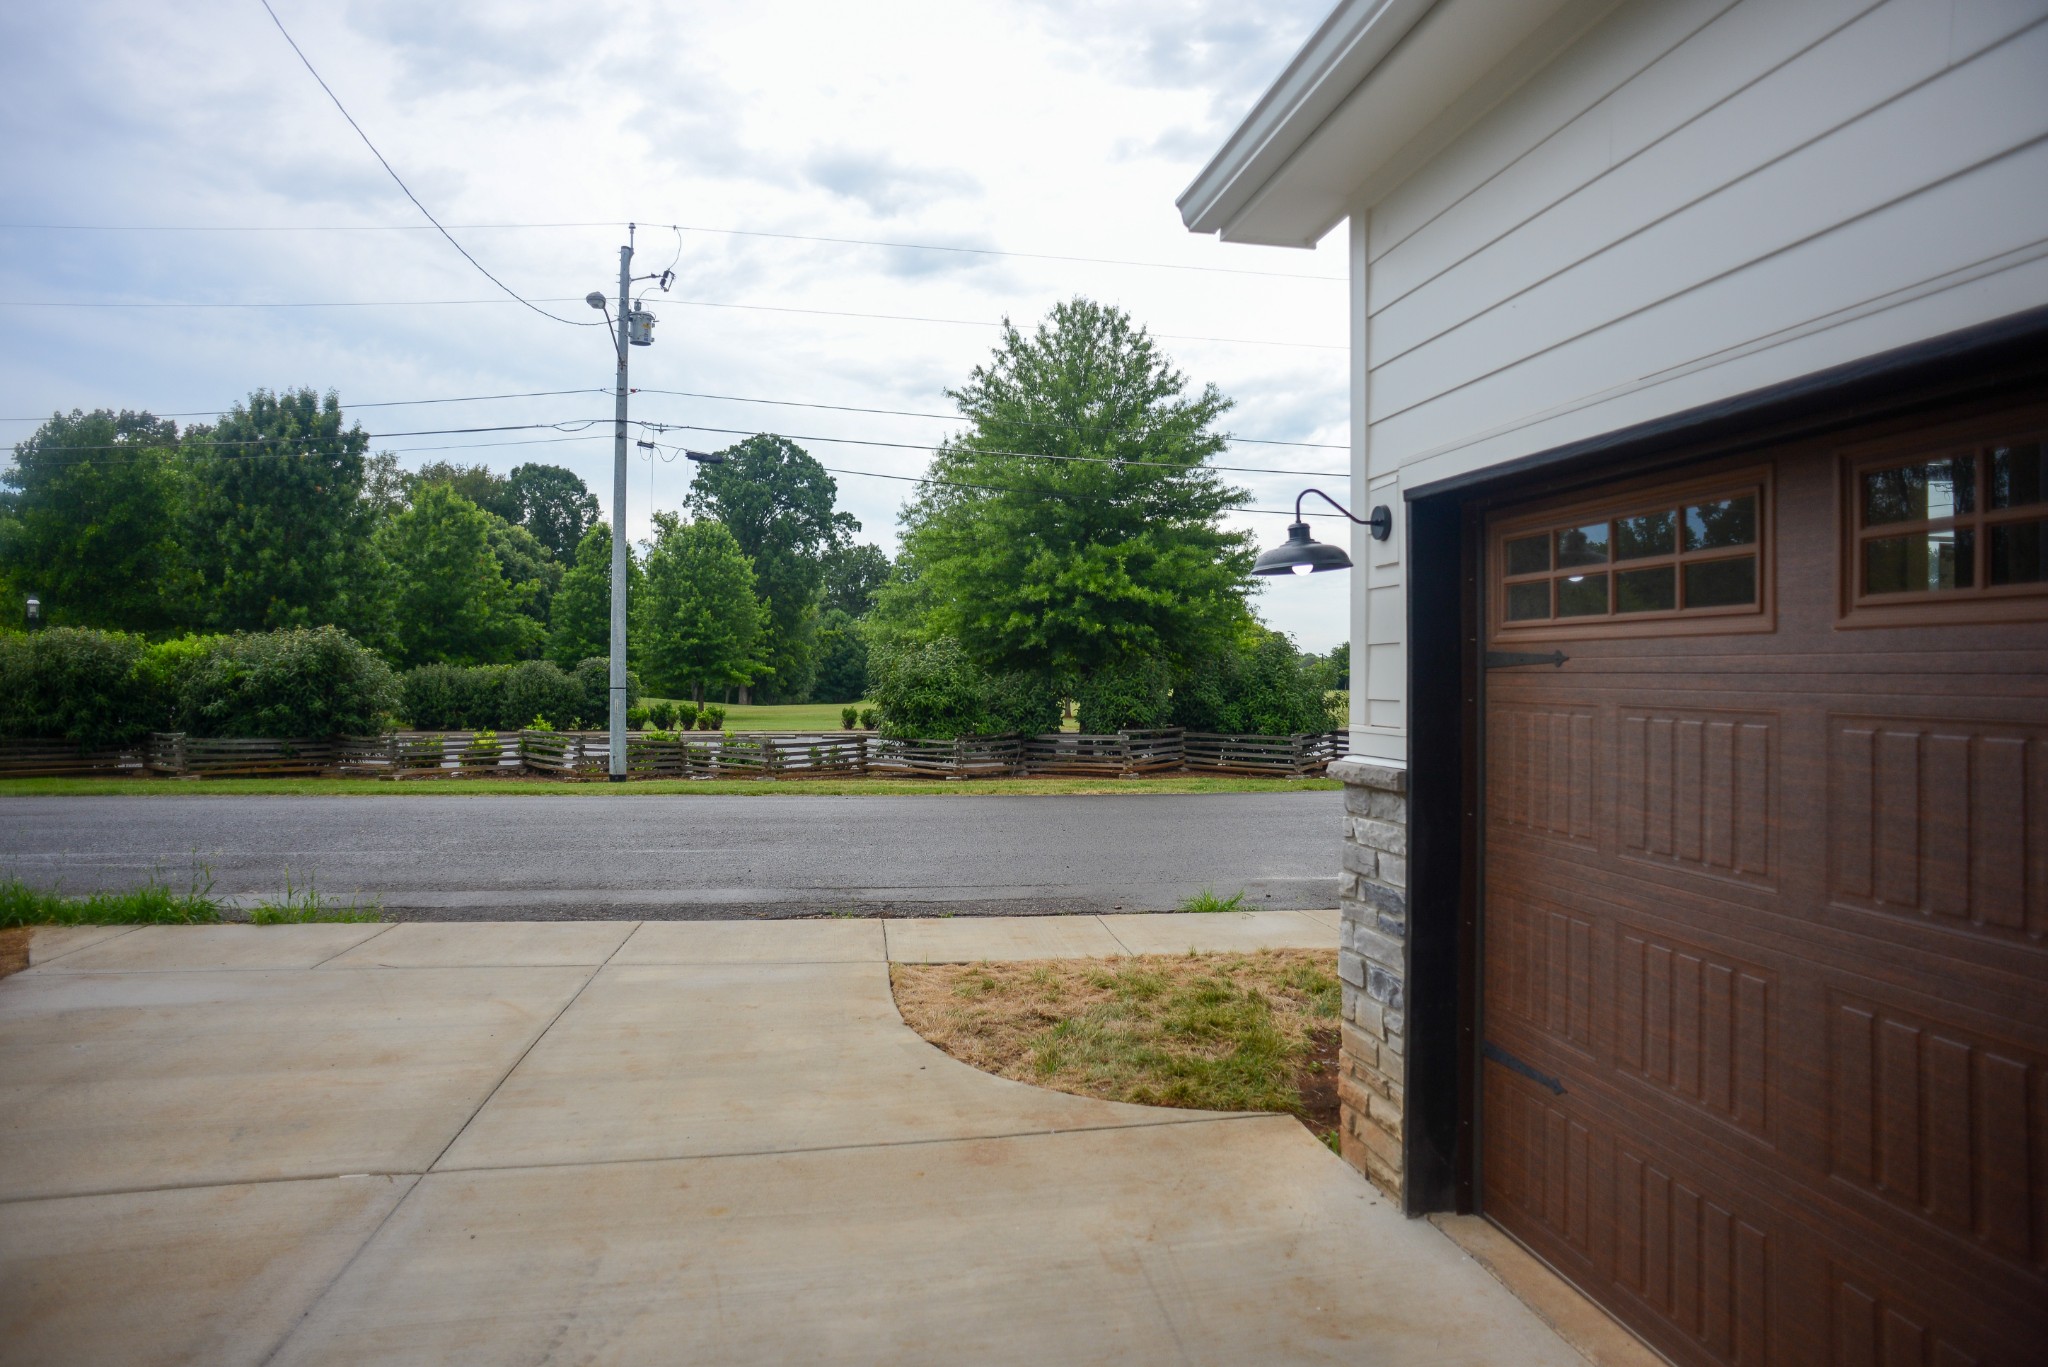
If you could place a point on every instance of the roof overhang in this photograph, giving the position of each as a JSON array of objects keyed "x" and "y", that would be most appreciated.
[{"x": 1373, "y": 77}]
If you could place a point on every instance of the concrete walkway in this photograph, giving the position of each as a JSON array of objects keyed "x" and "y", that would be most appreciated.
[{"x": 654, "y": 1143}]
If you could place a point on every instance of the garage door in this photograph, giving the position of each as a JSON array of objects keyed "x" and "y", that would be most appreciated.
[{"x": 1765, "y": 898}]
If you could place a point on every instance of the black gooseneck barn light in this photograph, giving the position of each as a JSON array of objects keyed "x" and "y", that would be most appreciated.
[{"x": 1303, "y": 554}]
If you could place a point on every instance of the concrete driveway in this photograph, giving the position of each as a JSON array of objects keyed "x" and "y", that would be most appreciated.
[{"x": 651, "y": 1143}]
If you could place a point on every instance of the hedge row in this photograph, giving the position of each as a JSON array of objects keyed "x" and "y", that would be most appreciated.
[
  {"x": 107, "y": 688},
  {"x": 508, "y": 697}
]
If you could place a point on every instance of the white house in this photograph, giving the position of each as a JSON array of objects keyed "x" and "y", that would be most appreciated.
[{"x": 1696, "y": 892}]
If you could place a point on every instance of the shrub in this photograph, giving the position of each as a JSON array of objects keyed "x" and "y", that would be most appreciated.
[
  {"x": 712, "y": 718},
  {"x": 636, "y": 718},
  {"x": 686, "y": 716},
  {"x": 539, "y": 724},
  {"x": 594, "y": 686},
  {"x": 441, "y": 697},
  {"x": 537, "y": 687},
  {"x": 1266, "y": 688},
  {"x": 662, "y": 713},
  {"x": 1134, "y": 696},
  {"x": 849, "y": 717},
  {"x": 934, "y": 691},
  {"x": 79, "y": 685},
  {"x": 870, "y": 718},
  {"x": 315, "y": 682}
]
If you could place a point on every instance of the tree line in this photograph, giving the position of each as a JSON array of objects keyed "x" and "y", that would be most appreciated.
[
  {"x": 1066, "y": 549},
  {"x": 279, "y": 517}
]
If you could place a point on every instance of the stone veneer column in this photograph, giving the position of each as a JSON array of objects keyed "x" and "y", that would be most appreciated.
[{"x": 1372, "y": 961}]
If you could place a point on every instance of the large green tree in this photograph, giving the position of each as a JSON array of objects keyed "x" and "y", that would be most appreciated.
[
  {"x": 580, "y": 617},
  {"x": 278, "y": 527},
  {"x": 1075, "y": 526},
  {"x": 553, "y": 504},
  {"x": 91, "y": 527},
  {"x": 696, "y": 622},
  {"x": 778, "y": 503},
  {"x": 453, "y": 603},
  {"x": 854, "y": 574}
]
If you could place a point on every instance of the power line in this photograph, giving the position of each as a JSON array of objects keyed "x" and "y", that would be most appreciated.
[
  {"x": 678, "y": 227},
  {"x": 686, "y": 303},
  {"x": 1234, "y": 440},
  {"x": 400, "y": 182},
  {"x": 982, "y": 451},
  {"x": 1061, "y": 494},
  {"x": 908, "y": 413},
  {"x": 387, "y": 403}
]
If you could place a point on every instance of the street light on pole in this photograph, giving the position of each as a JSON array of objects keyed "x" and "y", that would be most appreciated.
[{"x": 633, "y": 327}]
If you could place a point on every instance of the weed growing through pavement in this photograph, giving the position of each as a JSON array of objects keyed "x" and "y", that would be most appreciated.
[
  {"x": 1206, "y": 900},
  {"x": 302, "y": 906}
]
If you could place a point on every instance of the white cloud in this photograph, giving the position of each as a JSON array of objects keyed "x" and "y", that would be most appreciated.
[{"x": 1041, "y": 127}]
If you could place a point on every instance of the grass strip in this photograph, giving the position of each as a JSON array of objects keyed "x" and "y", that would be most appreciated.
[
  {"x": 537, "y": 787},
  {"x": 156, "y": 903},
  {"x": 1224, "y": 1032},
  {"x": 153, "y": 904}
]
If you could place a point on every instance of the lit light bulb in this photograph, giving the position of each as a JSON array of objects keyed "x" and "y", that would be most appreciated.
[{"x": 1302, "y": 569}]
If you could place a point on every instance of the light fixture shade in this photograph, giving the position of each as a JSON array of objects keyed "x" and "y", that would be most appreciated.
[{"x": 1301, "y": 555}]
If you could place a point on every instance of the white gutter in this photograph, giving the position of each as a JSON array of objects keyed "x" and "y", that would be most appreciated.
[{"x": 1356, "y": 37}]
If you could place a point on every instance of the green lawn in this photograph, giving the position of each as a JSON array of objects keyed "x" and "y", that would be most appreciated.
[
  {"x": 802, "y": 716},
  {"x": 852, "y": 787}
]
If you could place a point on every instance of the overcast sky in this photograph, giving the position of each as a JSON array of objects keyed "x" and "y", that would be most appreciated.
[{"x": 1051, "y": 128}]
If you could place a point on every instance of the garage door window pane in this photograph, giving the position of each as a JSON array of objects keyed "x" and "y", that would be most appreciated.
[
  {"x": 1652, "y": 590},
  {"x": 1720, "y": 522},
  {"x": 1924, "y": 492},
  {"x": 1529, "y": 602},
  {"x": 1721, "y": 583},
  {"x": 1645, "y": 534},
  {"x": 1582, "y": 546},
  {"x": 2018, "y": 474},
  {"x": 1930, "y": 561},
  {"x": 2016, "y": 553},
  {"x": 1582, "y": 595},
  {"x": 1530, "y": 555}
]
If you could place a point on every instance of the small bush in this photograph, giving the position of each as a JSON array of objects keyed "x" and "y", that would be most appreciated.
[
  {"x": 712, "y": 718},
  {"x": 849, "y": 717},
  {"x": 636, "y": 718},
  {"x": 1133, "y": 696},
  {"x": 540, "y": 724},
  {"x": 537, "y": 686},
  {"x": 73, "y": 684},
  {"x": 934, "y": 691},
  {"x": 594, "y": 687},
  {"x": 662, "y": 713},
  {"x": 686, "y": 716},
  {"x": 439, "y": 697},
  {"x": 316, "y": 682},
  {"x": 870, "y": 718}
]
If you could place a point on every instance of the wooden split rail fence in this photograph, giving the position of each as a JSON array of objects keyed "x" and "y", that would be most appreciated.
[{"x": 687, "y": 755}]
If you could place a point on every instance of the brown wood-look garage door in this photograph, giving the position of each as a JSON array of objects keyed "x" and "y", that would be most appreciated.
[{"x": 1765, "y": 910}]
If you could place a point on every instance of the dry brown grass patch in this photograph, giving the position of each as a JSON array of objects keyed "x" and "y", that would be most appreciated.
[
  {"x": 14, "y": 950},
  {"x": 1238, "y": 1032}
]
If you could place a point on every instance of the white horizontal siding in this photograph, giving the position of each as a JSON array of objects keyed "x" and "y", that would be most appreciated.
[
  {"x": 1994, "y": 211},
  {"x": 1843, "y": 167}
]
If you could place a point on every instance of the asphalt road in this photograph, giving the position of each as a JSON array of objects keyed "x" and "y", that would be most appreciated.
[{"x": 649, "y": 857}]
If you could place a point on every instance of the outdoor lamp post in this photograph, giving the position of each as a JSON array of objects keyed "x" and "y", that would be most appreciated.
[
  {"x": 1303, "y": 554},
  {"x": 34, "y": 609}
]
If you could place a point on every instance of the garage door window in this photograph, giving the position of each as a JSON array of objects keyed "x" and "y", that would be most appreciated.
[
  {"x": 1959, "y": 525},
  {"x": 1681, "y": 555}
]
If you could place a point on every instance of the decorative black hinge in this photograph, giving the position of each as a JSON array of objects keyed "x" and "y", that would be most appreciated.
[
  {"x": 1493, "y": 1051},
  {"x": 1508, "y": 659}
]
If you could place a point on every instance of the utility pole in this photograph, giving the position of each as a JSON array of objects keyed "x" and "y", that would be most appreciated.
[{"x": 617, "y": 747}]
